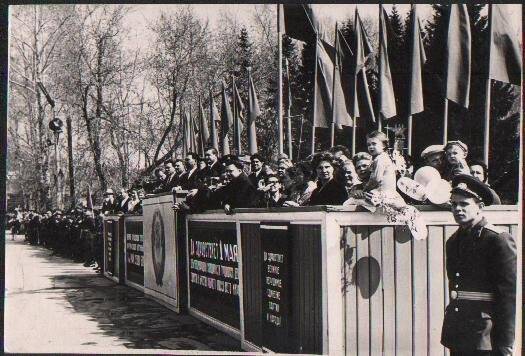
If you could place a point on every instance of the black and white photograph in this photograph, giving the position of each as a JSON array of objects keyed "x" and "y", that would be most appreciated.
[{"x": 233, "y": 178}]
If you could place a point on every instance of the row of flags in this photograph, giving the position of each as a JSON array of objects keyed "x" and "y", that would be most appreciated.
[
  {"x": 341, "y": 92},
  {"x": 198, "y": 135}
]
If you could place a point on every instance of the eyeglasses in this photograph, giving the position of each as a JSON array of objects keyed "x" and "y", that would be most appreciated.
[
  {"x": 348, "y": 172},
  {"x": 273, "y": 181}
]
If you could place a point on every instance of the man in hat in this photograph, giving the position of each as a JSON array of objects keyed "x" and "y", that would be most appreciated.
[
  {"x": 110, "y": 204},
  {"x": 433, "y": 156},
  {"x": 481, "y": 270}
]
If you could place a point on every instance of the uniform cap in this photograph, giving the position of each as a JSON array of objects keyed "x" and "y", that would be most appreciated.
[
  {"x": 469, "y": 186},
  {"x": 109, "y": 191},
  {"x": 431, "y": 150}
]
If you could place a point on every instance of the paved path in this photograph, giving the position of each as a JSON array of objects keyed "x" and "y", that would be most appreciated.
[{"x": 55, "y": 305}]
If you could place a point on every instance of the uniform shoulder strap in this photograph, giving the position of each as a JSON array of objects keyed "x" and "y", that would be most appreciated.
[{"x": 496, "y": 229}]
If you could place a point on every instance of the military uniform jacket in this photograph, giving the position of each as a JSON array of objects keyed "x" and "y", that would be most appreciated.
[{"x": 480, "y": 260}]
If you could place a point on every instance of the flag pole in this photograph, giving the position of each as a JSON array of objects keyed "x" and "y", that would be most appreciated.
[
  {"x": 486, "y": 135},
  {"x": 332, "y": 126},
  {"x": 201, "y": 128},
  {"x": 280, "y": 80},
  {"x": 445, "y": 121},
  {"x": 213, "y": 127},
  {"x": 354, "y": 128},
  {"x": 409, "y": 121},
  {"x": 445, "y": 106},
  {"x": 288, "y": 112},
  {"x": 379, "y": 96},
  {"x": 315, "y": 92},
  {"x": 300, "y": 138}
]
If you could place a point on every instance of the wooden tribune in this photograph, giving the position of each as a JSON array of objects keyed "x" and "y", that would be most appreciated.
[{"x": 359, "y": 284}]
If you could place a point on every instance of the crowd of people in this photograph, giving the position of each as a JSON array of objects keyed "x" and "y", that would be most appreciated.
[
  {"x": 75, "y": 234},
  {"x": 333, "y": 177}
]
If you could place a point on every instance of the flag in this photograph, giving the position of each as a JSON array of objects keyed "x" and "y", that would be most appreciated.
[
  {"x": 239, "y": 106},
  {"x": 186, "y": 133},
  {"x": 214, "y": 119},
  {"x": 387, "y": 100},
  {"x": 191, "y": 132},
  {"x": 238, "y": 116},
  {"x": 505, "y": 53},
  {"x": 458, "y": 55},
  {"x": 204, "y": 134},
  {"x": 359, "y": 94},
  {"x": 298, "y": 21},
  {"x": 253, "y": 112},
  {"x": 89, "y": 201},
  {"x": 226, "y": 122},
  {"x": 417, "y": 61},
  {"x": 330, "y": 99}
]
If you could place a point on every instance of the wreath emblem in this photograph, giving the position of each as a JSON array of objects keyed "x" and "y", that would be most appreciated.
[{"x": 158, "y": 246}]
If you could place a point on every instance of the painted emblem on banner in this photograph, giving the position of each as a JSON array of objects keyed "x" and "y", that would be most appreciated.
[{"x": 158, "y": 246}]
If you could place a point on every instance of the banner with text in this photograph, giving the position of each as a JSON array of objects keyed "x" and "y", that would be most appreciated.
[
  {"x": 214, "y": 270},
  {"x": 110, "y": 248},
  {"x": 134, "y": 239},
  {"x": 276, "y": 287}
]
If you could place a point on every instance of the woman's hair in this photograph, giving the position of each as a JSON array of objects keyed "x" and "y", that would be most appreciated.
[
  {"x": 361, "y": 155},
  {"x": 380, "y": 135},
  {"x": 267, "y": 178},
  {"x": 323, "y": 157}
]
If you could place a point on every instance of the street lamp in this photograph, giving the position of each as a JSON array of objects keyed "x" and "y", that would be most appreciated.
[{"x": 55, "y": 126}]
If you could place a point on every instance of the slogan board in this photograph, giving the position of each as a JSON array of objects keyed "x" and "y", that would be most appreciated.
[
  {"x": 134, "y": 240},
  {"x": 276, "y": 256},
  {"x": 214, "y": 270},
  {"x": 110, "y": 247}
]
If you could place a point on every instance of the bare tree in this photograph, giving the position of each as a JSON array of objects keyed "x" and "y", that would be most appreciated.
[{"x": 36, "y": 34}]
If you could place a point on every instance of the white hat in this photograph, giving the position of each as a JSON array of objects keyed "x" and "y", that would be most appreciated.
[
  {"x": 109, "y": 191},
  {"x": 432, "y": 149}
]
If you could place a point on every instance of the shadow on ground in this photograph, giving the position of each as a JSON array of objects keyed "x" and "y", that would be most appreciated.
[
  {"x": 139, "y": 322},
  {"x": 123, "y": 312}
]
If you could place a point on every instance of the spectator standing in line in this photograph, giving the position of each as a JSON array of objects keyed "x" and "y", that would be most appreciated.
[
  {"x": 257, "y": 173},
  {"x": 171, "y": 175},
  {"x": 272, "y": 196},
  {"x": 160, "y": 180},
  {"x": 213, "y": 167},
  {"x": 303, "y": 185},
  {"x": 239, "y": 192},
  {"x": 329, "y": 191},
  {"x": 362, "y": 163},
  {"x": 434, "y": 156},
  {"x": 189, "y": 179},
  {"x": 109, "y": 205},
  {"x": 123, "y": 201},
  {"x": 479, "y": 170}
]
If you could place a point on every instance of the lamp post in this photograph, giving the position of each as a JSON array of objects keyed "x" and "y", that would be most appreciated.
[{"x": 55, "y": 126}]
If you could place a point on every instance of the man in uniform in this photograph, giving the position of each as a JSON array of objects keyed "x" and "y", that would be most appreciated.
[{"x": 481, "y": 270}]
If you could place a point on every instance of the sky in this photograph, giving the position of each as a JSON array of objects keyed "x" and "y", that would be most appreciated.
[{"x": 142, "y": 14}]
